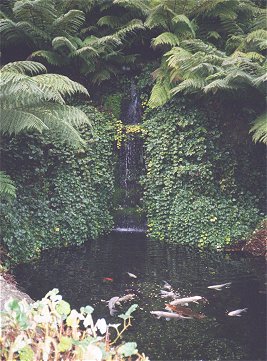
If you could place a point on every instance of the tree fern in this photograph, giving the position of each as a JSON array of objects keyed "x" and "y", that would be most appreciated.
[
  {"x": 51, "y": 57},
  {"x": 69, "y": 23},
  {"x": 259, "y": 129},
  {"x": 36, "y": 101},
  {"x": 165, "y": 38},
  {"x": 7, "y": 186},
  {"x": 183, "y": 25}
]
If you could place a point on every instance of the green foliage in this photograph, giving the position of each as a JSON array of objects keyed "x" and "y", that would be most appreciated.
[
  {"x": 7, "y": 187},
  {"x": 36, "y": 102},
  {"x": 113, "y": 104},
  {"x": 193, "y": 194},
  {"x": 210, "y": 221},
  {"x": 63, "y": 195},
  {"x": 260, "y": 129},
  {"x": 44, "y": 330}
]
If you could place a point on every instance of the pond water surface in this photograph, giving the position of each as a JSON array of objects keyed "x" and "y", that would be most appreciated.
[{"x": 78, "y": 273}]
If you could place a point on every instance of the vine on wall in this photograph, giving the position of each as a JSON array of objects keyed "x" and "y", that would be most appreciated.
[
  {"x": 191, "y": 191},
  {"x": 64, "y": 196}
]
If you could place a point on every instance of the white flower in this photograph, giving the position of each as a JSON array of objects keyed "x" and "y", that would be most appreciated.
[
  {"x": 101, "y": 325},
  {"x": 114, "y": 325}
]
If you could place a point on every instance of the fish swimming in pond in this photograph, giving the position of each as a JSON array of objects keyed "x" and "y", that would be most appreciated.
[
  {"x": 219, "y": 287},
  {"x": 167, "y": 294},
  {"x": 168, "y": 315},
  {"x": 131, "y": 275},
  {"x": 108, "y": 279},
  {"x": 167, "y": 286},
  {"x": 237, "y": 313},
  {"x": 186, "y": 300},
  {"x": 112, "y": 304},
  {"x": 184, "y": 311},
  {"x": 126, "y": 298}
]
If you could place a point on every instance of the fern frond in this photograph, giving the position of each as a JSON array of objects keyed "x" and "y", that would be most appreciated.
[
  {"x": 14, "y": 121},
  {"x": 101, "y": 76},
  {"x": 50, "y": 56},
  {"x": 160, "y": 94},
  {"x": 129, "y": 28},
  {"x": 257, "y": 39},
  {"x": 141, "y": 6},
  {"x": 63, "y": 43},
  {"x": 70, "y": 22},
  {"x": 260, "y": 129},
  {"x": 62, "y": 121},
  {"x": 189, "y": 86},
  {"x": 165, "y": 38},
  {"x": 7, "y": 186},
  {"x": 218, "y": 85},
  {"x": 36, "y": 102},
  {"x": 88, "y": 52},
  {"x": 196, "y": 45},
  {"x": 24, "y": 67},
  {"x": 259, "y": 81},
  {"x": 213, "y": 35},
  {"x": 40, "y": 12},
  {"x": 183, "y": 25},
  {"x": 159, "y": 17},
  {"x": 61, "y": 84},
  {"x": 111, "y": 21}
]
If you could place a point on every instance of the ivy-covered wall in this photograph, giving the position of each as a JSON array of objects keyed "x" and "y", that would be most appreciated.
[
  {"x": 64, "y": 196},
  {"x": 197, "y": 191}
]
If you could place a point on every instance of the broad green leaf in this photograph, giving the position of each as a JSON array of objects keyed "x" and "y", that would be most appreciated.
[
  {"x": 63, "y": 308},
  {"x": 26, "y": 354},
  {"x": 65, "y": 344},
  {"x": 128, "y": 349},
  {"x": 87, "y": 309}
]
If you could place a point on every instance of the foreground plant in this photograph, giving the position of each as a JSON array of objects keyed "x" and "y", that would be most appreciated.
[{"x": 49, "y": 330}]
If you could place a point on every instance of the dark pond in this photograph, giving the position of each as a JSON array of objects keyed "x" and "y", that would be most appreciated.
[{"x": 78, "y": 273}]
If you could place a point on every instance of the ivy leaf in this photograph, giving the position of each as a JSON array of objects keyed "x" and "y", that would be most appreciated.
[
  {"x": 26, "y": 353},
  {"x": 65, "y": 344},
  {"x": 63, "y": 308},
  {"x": 131, "y": 309},
  {"x": 128, "y": 349},
  {"x": 87, "y": 309},
  {"x": 128, "y": 313}
]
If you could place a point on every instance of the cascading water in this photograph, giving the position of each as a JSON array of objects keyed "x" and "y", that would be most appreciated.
[{"x": 130, "y": 167}]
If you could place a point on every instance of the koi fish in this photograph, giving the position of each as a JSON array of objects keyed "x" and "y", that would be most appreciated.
[
  {"x": 112, "y": 304},
  {"x": 131, "y": 275},
  {"x": 237, "y": 313},
  {"x": 168, "y": 315},
  {"x": 219, "y": 287},
  {"x": 167, "y": 294},
  {"x": 186, "y": 300},
  {"x": 184, "y": 311},
  {"x": 167, "y": 286},
  {"x": 127, "y": 297},
  {"x": 109, "y": 279}
]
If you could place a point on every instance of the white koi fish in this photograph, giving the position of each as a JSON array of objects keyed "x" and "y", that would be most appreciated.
[
  {"x": 131, "y": 275},
  {"x": 168, "y": 315},
  {"x": 167, "y": 294},
  {"x": 167, "y": 286},
  {"x": 237, "y": 313},
  {"x": 186, "y": 300},
  {"x": 112, "y": 304},
  {"x": 126, "y": 298},
  {"x": 219, "y": 287}
]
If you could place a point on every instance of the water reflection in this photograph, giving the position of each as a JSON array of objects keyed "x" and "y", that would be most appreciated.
[{"x": 78, "y": 272}]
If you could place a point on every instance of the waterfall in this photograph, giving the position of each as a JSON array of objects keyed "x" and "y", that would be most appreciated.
[{"x": 130, "y": 168}]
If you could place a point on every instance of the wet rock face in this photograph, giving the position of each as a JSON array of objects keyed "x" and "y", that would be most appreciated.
[
  {"x": 10, "y": 290},
  {"x": 257, "y": 244}
]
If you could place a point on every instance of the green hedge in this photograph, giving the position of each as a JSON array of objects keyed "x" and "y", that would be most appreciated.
[
  {"x": 64, "y": 196},
  {"x": 192, "y": 192}
]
